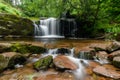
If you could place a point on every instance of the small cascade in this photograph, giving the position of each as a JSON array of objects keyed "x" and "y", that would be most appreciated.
[
  {"x": 55, "y": 28},
  {"x": 78, "y": 73},
  {"x": 48, "y": 28}
]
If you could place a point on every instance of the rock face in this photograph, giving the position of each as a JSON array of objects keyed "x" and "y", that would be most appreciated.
[
  {"x": 116, "y": 61},
  {"x": 14, "y": 25},
  {"x": 62, "y": 62},
  {"x": 106, "y": 72},
  {"x": 43, "y": 63}
]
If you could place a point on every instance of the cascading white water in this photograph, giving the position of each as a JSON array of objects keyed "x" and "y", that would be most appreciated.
[
  {"x": 48, "y": 28},
  {"x": 78, "y": 73}
]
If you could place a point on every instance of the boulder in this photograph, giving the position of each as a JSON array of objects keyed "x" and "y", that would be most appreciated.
[
  {"x": 113, "y": 54},
  {"x": 88, "y": 55},
  {"x": 62, "y": 62},
  {"x": 113, "y": 47},
  {"x": 14, "y": 25},
  {"x": 116, "y": 61},
  {"x": 63, "y": 51},
  {"x": 43, "y": 63},
  {"x": 14, "y": 58},
  {"x": 26, "y": 48},
  {"x": 3, "y": 62},
  {"x": 102, "y": 57},
  {"x": 106, "y": 72}
]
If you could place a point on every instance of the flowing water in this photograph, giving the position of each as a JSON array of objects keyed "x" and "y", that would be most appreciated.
[
  {"x": 55, "y": 28},
  {"x": 74, "y": 45}
]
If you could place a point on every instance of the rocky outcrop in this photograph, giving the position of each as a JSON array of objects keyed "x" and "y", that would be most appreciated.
[
  {"x": 116, "y": 61},
  {"x": 14, "y": 25},
  {"x": 62, "y": 62},
  {"x": 106, "y": 72},
  {"x": 43, "y": 63}
]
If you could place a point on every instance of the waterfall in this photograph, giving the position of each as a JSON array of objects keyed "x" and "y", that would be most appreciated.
[
  {"x": 48, "y": 28},
  {"x": 55, "y": 28}
]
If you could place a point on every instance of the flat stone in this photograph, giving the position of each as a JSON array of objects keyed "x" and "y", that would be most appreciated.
[
  {"x": 63, "y": 62},
  {"x": 106, "y": 72}
]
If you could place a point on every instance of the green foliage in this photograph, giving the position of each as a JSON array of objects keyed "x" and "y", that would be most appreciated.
[
  {"x": 95, "y": 17},
  {"x": 6, "y": 8}
]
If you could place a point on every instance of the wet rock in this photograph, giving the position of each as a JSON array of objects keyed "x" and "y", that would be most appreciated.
[
  {"x": 62, "y": 62},
  {"x": 43, "y": 63},
  {"x": 116, "y": 61},
  {"x": 25, "y": 48},
  {"x": 106, "y": 72},
  {"x": 102, "y": 57},
  {"x": 3, "y": 63},
  {"x": 98, "y": 47},
  {"x": 17, "y": 59},
  {"x": 14, "y": 25},
  {"x": 63, "y": 51},
  {"x": 113, "y": 47},
  {"x": 102, "y": 54},
  {"x": 14, "y": 58},
  {"x": 86, "y": 55},
  {"x": 113, "y": 54}
]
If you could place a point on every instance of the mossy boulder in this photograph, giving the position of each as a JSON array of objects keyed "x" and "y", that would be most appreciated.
[
  {"x": 14, "y": 25},
  {"x": 43, "y": 63},
  {"x": 26, "y": 48}
]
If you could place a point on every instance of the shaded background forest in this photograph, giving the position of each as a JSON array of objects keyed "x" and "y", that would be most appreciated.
[{"x": 95, "y": 18}]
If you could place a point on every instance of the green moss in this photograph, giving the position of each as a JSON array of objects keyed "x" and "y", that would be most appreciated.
[
  {"x": 15, "y": 25},
  {"x": 6, "y": 8},
  {"x": 43, "y": 63},
  {"x": 25, "y": 48}
]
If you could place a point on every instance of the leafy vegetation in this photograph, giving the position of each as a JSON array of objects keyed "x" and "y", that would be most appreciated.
[
  {"x": 95, "y": 18},
  {"x": 7, "y": 8}
]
